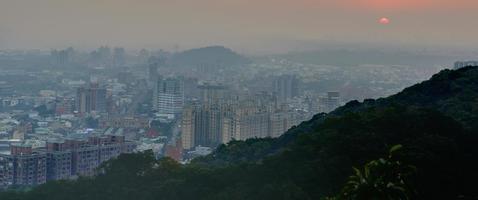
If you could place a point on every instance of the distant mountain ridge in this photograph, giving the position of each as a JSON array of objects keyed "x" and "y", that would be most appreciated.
[{"x": 344, "y": 57}]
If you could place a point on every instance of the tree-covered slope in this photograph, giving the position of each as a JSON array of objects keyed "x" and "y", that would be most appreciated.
[{"x": 452, "y": 92}]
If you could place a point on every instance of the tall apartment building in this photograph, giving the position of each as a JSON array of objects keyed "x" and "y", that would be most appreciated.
[
  {"x": 87, "y": 155},
  {"x": 30, "y": 169},
  {"x": 119, "y": 57},
  {"x": 212, "y": 93},
  {"x": 22, "y": 167},
  {"x": 62, "y": 58},
  {"x": 59, "y": 165},
  {"x": 168, "y": 98},
  {"x": 330, "y": 102},
  {"x": 261, "y": 124},
  {"x": 6, "y": 170},
  {"x": 278, "y": 124},
  {"x": 208, "y": 125},
  {"x": 287, "y": 87},
  {"x": 153, "y": 72},
  {"x": 91, "y": 98},
  {"x": 249, "y": 123},
  {"x": 211, "y": 125},
  {"x": 84, "y": 157},
  {"x": 203, "y": 125},
  {"x": 187, "y": 128}
]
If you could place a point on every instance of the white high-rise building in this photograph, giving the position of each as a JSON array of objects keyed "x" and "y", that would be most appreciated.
[
  {"x": 187, "y": 128},
  {"x": 168, "y": 98}
]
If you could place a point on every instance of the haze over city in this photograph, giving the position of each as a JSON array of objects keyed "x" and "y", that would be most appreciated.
[
  {"x": 238, "y": 99},
  {"x": 266, "y": 26}
]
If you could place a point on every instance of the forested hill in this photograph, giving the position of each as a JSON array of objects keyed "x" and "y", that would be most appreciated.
[
  {"x": 452, "y": 92},
  {"x": 433, "y": 121}
]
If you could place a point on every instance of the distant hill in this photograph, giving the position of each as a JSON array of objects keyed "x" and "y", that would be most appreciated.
[
  {"x": 214, "y": 55},
  {"x": 435, "y": 121},
  {"x": 355, "y": 57}
]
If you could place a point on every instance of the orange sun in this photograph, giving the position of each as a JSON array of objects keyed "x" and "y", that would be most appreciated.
[{"x": 384, "y": 21}]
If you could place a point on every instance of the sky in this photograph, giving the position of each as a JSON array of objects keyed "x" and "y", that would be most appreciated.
[{"x": 247, "y": 25}]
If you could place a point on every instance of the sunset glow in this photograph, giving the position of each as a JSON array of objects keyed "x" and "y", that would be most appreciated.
[
  {"x": 235, "y": 22},
  {"x": 384, "y": 21},
  {"x": 396, "y": 4}
]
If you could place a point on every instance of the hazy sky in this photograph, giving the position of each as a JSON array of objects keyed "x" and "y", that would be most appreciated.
[{"x": 241, "y": 24}]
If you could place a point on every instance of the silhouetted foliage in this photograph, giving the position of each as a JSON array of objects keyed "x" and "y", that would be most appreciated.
[{"x": 384, "y": 178}]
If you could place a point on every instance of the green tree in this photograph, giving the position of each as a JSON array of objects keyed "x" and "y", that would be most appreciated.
[{"x": 385, "y": 178}]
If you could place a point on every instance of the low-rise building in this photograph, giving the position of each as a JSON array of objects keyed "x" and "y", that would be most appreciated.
[{"x": 25, "y": 166}]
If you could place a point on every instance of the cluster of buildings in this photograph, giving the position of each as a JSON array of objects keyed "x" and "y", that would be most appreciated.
[
  {"x": 461, "y": 64},
  {"x": 63, "y": 120},
  {"x": 214, "y": 124},
  {"x": 210, "y": 113},
  {"x": 102, "y": 57},
  {"x": 59, "y": 160},
  {"x": 219, "y": 115}
]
